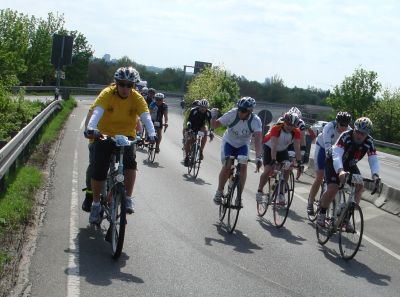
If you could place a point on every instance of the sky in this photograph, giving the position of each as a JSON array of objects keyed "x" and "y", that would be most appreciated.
[{"x": 306, "y": 42}]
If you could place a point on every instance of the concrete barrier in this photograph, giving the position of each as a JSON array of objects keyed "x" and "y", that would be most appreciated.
[{"x": 388, "y": 199}]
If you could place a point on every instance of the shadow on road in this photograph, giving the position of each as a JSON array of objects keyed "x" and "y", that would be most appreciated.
[
  {"x": 283, "y": 233},
  {"x": 237, "y": 240},
  {"x": 152, "y": 164},
  {"x": 356, "y": 269},
  {"x": 197, "y": 181},
  {"x": 295, "y": 217},
  {"x": 95, "y": 262}
]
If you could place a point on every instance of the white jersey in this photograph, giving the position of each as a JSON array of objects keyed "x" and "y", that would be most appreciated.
[
  {"x": 329, "y": 136},
  {"x": 239, "y": 134}
]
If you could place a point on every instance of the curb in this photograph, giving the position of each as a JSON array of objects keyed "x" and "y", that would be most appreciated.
[{"x": 388, "y": 200}]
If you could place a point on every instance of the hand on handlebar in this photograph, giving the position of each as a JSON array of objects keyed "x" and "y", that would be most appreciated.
[
  {"x": 259, "y": 164},
  {"x": 92, "y": 133},
  {"x": 377, "y": 181}
]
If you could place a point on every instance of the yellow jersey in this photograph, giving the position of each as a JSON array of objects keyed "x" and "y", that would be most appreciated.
[{"x": 120, "y": 115}]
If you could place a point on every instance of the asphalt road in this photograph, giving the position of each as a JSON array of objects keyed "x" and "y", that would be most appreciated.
[{"x": 175, "y": 245}]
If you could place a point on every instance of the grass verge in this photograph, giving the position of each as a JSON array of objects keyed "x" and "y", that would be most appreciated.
[
  {"x": 388, "y": 150},
  {"x": 220, "y": 131},
  {"x": 17, "y": 201}
]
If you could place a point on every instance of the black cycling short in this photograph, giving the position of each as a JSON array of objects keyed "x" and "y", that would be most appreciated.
[
  {"x": 280, "y": 156},
  {"x": 330, "y": 174},
  {"x": 102, "y": 154}
]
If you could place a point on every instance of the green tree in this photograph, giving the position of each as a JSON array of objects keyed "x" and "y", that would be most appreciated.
[
  {"x": 216, "y": 85},
  {"x": 385, "y": 115},
  {"x": 356, "y": 93}
]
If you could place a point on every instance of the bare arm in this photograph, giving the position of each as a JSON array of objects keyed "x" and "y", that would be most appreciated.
[
  {"x": 296, "y": 144},
  {"x": 258, "y": 143},
  {"x": 215, "y": 124},
  {"x": 274, "y": 145},
  {"x": 88, "y": 116}
]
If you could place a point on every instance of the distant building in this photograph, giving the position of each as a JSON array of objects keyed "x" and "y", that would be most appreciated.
[
  {"x": 114, "y": 61},
  {"x": 107, "y": 58}
]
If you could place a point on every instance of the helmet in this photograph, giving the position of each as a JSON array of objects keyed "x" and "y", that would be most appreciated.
[
  {"x": 145, "y": 90},
  {"x": 159, "y": 96},
  {"x": 127, "y": 73},
  {"x": 291, "y": 118},
  {"x": 343, "y": 117},
  {"x": 203, "y": 103},
  {"x": 363, "y": 125},
  {"x": 295, "y": 110},
  {"x": 195, "y": 103},
  {"x": 246, "y": 103}
]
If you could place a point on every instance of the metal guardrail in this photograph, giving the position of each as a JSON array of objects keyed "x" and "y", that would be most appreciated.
[
  {"x": 12, "y": 150},
  {"x": 387, "y": 144}
]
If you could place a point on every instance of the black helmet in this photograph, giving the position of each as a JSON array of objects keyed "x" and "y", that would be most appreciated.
[
  {"x": 195, "y": 103},
  {"x": 343, "y": 118}
]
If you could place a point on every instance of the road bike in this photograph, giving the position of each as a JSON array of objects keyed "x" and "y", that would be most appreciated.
[
  {"x": 279, "y": 195},
  {"x": 232, "y": 199},
  {"x": 347, "y": 219},
  {"x": 151, "y": 146},
  {"x": 113, "y": 197},
  {"x": 194, "y": 156}
]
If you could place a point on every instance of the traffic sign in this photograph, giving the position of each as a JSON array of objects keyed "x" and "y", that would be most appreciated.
[{"x": 266, "y": 118}]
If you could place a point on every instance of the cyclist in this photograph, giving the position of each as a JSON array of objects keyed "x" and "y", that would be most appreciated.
[
  {"x": 150, "y": 96},
  {"x": 144, "y": 92},
  {"x": 198, "y": 117},
  {"x": 159, "y": 112},
  {"x": 325, "y": 140},
  {"x": 350, "y": 148},
  {"x": 241, "y": 124},
  {"x": 276, "y": 143},
  {"x": 115, "y": 112}
]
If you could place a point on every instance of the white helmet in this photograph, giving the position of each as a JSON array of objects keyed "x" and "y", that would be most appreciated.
[
  {"x": 203, "y": 103},
  {"x": 246, "y": 103},
  {"x": 159, "y": 96},
  {"x": 127, "y": 73},
  {"x": 295, "y": 110}
]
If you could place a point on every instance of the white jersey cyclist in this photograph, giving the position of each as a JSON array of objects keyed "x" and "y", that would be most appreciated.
[{"x": 239, "y": 131}]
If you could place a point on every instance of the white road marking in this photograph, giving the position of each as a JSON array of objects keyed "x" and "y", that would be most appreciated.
[{"x": 73, "y": 280}]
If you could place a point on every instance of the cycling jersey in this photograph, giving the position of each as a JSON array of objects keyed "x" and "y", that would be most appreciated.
[
  {"x": 346, "y": 153},
  {"x": 198, "y": 119},
  {"x": 157, "y": 112},
  {"x": 239, "y": 132},
  {"x": 329, "y": 135},
  {"x": 284, "y": 138},
  {"x": 119, "y": 115},
  {"x": 149, "y": 100}
]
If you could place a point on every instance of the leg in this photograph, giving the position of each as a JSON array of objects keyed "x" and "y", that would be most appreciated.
[
  {"x": 159, "y": 138},
  {"x": 264, "y": 177},
  {"x": 243, "y": 175},
  {"x": 224, "y": 174},
  {"x": 130, "y": 178},
  {"x": 319, "y": 178}
]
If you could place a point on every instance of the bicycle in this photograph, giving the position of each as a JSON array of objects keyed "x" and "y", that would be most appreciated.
[
  {"x": 280, "y": 207},
  {"x": 194, "y": 159},
  {"x": 114, "y": 195},
  {"x": 347, "y": 219},
  {"x": 232, "y": 199},
  {"x": 151, "y": 146}
]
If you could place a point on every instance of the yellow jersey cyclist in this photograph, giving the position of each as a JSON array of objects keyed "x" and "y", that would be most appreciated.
[
  {"x": 276, "y": 143},
  {"x": 241, "y": 124},
  {"x": 350, "y": 148},
  {"x": 115, "y": 112},
  {"x": 325, "y": 140},
  {"x": 198, "y": 118},
  {"x": 159, "y": 116}
]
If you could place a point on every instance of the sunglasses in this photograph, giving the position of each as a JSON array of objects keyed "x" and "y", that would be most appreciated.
[
  {"x": 159, "y": 99},
  {"x": 244, "y": 110},
  {"x": 125, "y": 85},
  {"x": 343, "y": 124},
  {"x": 361, "y": 133},
  {"x": 289, "y": 124}
]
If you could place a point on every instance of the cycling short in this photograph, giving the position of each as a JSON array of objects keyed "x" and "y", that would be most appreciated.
[
  {"x": 319, "y": 157},
  {"x": 330, "y": 174},
  {"x": 102, "y": 151},
  {"x": 280, "y": 156},
  {"x": 228, "y": 150}
]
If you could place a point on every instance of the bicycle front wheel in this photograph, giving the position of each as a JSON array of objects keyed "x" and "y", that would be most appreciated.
[
  {"x": 281, "y": 205},
  {"x": 234, "y": 205},
  {"x": 351, "y": 232},
  {"x": 291, "y": 183},
  {"x": 118, "y": 220},
  {"x": 262, "y": 207},
  {"x": 196, "y": 162},
  {"x": 151, "y": 153}
]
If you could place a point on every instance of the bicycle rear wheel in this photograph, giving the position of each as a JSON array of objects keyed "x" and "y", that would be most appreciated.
[
  {"x": 351, "y": 232},
  {"x": 281, "y": 207},
  {"x": 234, "y": 206},
  {"x": 262, "y": 207},
  {"x": 324, "y": 233},
  {"x": 151, "y": 154},
  {"x": 191, "y": 160},
  {"x": 223, "y": 207},
  {"x": 118, "y": 220},
  {"x": 316, "y": 204}
]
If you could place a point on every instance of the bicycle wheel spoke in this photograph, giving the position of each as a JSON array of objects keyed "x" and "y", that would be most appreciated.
[
  {"x": 234, "y": 206},
  {"x": 281, "y": 206}
]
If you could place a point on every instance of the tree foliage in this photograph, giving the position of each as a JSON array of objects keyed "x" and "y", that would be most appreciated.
[
  {"x": 356, "y": 93},
  {"x": 385, "y": 115},
  {"x": 215, "y": 85}
]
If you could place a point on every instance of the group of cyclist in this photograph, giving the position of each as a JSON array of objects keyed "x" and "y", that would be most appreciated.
[{"x": 121, "y": 109}]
